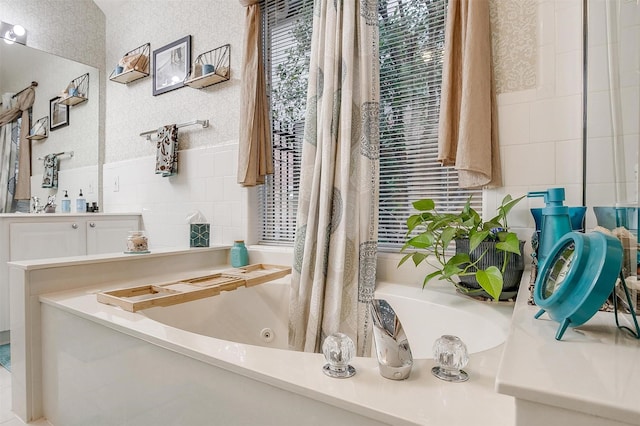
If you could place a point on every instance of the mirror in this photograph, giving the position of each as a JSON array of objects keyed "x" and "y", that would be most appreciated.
[
  {"x": 612, "y": 82},
  {"x": 612, "y": 130},
  {"x": 559, "y": 269},
  {"x": 19, "y": 66}
]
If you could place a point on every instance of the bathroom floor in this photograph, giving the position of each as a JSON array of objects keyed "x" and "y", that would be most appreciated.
[{"x": 7, "y": 418}]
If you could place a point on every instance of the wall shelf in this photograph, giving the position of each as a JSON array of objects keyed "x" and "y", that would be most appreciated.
[
  {"x": 77, "y": 91},
  {"x": 133, "y": 66},
  {"x": 39, "y": 130},
  {"x": 217, "y": 62}
]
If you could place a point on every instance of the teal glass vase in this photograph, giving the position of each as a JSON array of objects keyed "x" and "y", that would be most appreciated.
[{"x": 239, "y": 254}]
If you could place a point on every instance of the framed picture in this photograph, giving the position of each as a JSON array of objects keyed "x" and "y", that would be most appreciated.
[
  {"x": 58, "y": 114},
  {"x": 171, "y": 65}
]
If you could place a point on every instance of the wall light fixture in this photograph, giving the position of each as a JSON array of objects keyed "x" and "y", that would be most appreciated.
[{"x": 13, "y": 33}]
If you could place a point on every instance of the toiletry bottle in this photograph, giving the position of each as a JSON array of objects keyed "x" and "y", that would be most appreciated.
[
  {"x": 555, "y": 220},
  {"x": 81, "y": 206},
  {"x": 239, "y": 255},
  {"x": 66, "y": 203}
]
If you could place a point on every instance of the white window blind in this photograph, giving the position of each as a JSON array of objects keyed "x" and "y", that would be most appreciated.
[
  {"x": 411, "y": 50},
  {"x": 411, "y": 46},
  {"x": 287, "y": 28}
]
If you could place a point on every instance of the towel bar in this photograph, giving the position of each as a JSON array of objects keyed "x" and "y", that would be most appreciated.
[
  {"x": 203, "y": 123},
  {"x": 58, "y": 154}
]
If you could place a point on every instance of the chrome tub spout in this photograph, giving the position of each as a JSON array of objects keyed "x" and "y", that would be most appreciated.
[{"x": 392, "y": 347}]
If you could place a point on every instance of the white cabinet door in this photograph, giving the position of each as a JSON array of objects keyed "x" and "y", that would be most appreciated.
[
  {"x": 109, "y": 236},
  {"x": 42, "y": 240}
]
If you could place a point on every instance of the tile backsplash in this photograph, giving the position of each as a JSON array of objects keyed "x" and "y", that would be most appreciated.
[{"x": 206, "y": 182}]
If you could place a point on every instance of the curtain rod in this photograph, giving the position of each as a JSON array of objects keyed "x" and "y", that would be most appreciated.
[
  {"x": 203, "y": 123},
  {"x": 33, "y": 84}
]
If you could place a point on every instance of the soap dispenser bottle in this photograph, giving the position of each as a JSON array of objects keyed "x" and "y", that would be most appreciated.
[
  {"x": 66, "y": 203},
  {"x": 555, "y": 220},
  {"x": 81, "y": 203}
]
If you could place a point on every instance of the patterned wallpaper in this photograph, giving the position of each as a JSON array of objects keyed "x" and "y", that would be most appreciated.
[
  {"x": 132, "y": 108},
  {"x": 515, "y": 40}
]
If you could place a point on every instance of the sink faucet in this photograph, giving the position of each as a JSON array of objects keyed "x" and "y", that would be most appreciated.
[
  {"x": 392, "y": 347},
  {"x": 36, "y": 207}
]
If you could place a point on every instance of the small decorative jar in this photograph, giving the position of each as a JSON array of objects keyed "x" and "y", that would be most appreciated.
[
  {"x": 137, "y": 242},
  {"x": 239, "y": 254}
]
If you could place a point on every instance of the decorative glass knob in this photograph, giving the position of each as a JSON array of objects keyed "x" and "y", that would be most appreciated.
[
  {"x": 338, "y": 350},
  {"x": 450, "y": 353}
]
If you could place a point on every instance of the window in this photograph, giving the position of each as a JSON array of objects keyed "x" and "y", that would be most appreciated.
[
  {"x": 287, "y": 44},
  {"x": 411, "y": 47}
]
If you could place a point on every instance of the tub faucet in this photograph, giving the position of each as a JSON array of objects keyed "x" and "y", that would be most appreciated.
[{"x": 392, "y": 347}]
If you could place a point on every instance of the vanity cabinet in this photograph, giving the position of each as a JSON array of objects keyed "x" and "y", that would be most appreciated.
[
  {"x": 43, "y": 236},
  {"x": 28, "y": 241}
]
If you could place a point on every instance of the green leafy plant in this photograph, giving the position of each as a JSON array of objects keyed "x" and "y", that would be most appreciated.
[{"x": 430, "y": 233}]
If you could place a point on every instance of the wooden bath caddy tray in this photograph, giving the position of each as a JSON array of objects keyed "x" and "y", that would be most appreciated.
[{"x": 133, "y": 299}]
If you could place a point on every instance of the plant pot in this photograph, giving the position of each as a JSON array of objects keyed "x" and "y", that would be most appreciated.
[{"x": 493, "y": 257}]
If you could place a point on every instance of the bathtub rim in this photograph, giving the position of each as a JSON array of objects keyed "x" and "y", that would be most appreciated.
[{"x": 355, "y": 395}]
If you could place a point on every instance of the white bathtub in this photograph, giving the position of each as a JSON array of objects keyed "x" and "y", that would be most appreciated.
[
  {"x": 259, "y": 316},
  {"x": 208, "y": 363}
]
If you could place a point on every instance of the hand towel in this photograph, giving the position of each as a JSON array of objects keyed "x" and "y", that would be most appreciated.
[
  {"x": 468, "y": 128},
  {"x": 167, "y": 151},
  {"x": 50, "y": 175}
]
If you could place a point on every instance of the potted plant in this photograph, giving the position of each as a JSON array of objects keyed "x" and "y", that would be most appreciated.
[{"x": 488, "y": 257}]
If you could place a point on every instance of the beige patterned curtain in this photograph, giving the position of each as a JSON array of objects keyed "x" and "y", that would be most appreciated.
[
  {"x": 335, "y": 250},
  {"x": 24, "y": 101},
  {"x": 468, "y": 131},
  {"x": 255, "y": 158}
]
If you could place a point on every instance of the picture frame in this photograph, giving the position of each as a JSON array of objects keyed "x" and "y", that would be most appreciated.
[
  {"x": 171, "y": 65},
  {"x": 58, "y": 114}
]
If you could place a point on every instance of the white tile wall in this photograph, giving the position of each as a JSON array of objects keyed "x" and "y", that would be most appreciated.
[
  {"x": 557, "y": 118},
  {"x": 206, "y": 182},
  {"x": 568, "y": 28}
]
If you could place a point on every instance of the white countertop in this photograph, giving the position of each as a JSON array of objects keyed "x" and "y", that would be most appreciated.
[
  {"x": 30, "y": 216},
  {"x": 594, "y": 369},
  {"x": 107, "y": 257}
]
